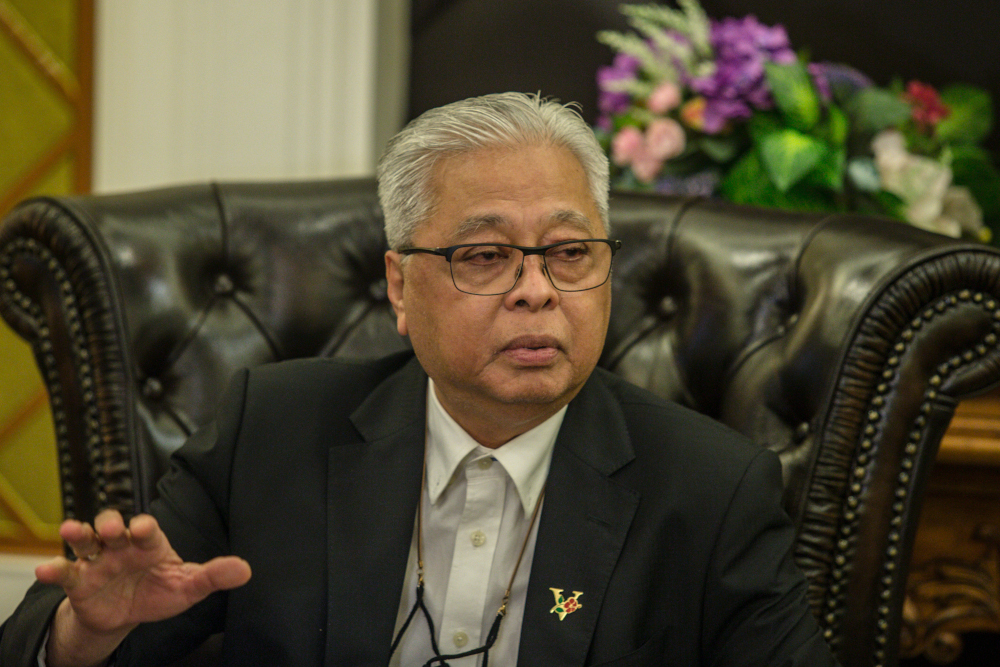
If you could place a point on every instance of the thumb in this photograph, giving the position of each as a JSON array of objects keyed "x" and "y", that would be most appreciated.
[{"x": 226, "y": 572}]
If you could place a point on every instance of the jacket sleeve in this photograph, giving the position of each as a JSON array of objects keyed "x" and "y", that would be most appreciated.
[
  {"x": 756, "y": 611},
  {"x": 22, "y": 634},
  {"x": 191, "y": 509}
]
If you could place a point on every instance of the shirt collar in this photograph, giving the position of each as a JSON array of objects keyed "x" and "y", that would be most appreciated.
[{"x": 526, "y": 458}]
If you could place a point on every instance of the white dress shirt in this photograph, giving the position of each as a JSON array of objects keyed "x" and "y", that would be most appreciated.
[{"x": 477, "y": 509}]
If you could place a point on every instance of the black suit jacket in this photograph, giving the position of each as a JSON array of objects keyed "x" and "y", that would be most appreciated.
[{"x": 669, "y": 523}]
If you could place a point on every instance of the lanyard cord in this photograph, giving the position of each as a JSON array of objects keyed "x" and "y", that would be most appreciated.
[{"x": 491, "y": 637}]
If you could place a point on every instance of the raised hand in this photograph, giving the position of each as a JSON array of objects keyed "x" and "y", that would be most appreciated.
[{"x": 123, "y": 576}]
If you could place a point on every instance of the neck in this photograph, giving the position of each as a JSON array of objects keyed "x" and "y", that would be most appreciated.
[{"x": 494, "y": 426}]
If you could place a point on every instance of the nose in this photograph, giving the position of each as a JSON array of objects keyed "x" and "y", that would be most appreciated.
[{"x": 532, "y": 288}]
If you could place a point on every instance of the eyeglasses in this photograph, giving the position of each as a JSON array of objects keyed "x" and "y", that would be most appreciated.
[{"x": 492, "y": 269}]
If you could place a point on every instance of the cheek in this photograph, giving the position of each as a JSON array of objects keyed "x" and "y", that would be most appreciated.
[
  {"x": 446, "y": 325},
  {"x": 590, "y": 321}
]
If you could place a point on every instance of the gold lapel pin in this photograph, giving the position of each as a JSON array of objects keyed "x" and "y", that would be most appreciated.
[{"x": 565, "y": 605}]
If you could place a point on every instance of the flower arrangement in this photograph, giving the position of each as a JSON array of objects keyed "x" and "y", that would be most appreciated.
[{"x": 727, "y": 108}]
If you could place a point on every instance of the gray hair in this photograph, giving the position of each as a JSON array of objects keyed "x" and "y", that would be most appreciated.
[{"x": 406, "y": 169}]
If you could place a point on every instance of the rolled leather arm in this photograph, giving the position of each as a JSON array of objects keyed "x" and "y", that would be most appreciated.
[{"x": 54, "y": 292}]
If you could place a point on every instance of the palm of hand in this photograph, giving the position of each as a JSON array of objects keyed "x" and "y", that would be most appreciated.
[
  {"x": 131, "y": 586},
  {"x": 126, "y": 576}
]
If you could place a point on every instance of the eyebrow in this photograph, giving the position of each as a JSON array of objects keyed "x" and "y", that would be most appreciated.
[
  {"x": 475, "y": 223},
  {"x": 574, "y": 219}
]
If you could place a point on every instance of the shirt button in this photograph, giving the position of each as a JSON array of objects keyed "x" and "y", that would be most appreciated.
[
  {"x": 460, "y": 639},
  {"x": 485, "y": 463},
  {"x": 478, "y": 538}
]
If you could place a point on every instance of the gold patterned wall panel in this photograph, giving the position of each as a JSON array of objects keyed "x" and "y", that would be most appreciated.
[{"x": 45, "y": 148}]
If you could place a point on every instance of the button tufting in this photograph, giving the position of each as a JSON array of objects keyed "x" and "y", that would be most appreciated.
[
  {"x": 223, "y": 285},
  {"x": 378, "y": 290},
  {"x": 801, "y": 432},
  {"x": 668, "y": 307},
  {"x": 152, "y": 388}
]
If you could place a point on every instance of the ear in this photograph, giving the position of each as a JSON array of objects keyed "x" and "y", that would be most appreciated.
[{"x": 394, "y": 288}]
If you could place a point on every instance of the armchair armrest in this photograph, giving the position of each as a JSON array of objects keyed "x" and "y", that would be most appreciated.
[{"x": 843, "y": 343}]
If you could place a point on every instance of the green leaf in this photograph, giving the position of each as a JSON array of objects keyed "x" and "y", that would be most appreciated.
[
  {"x": 835, "y": 127},
  {"x": 763, "y": 124},
  {"x": 630, "y": 117},
  {"x": 720, "y": 149},
  {"x": 829, "y": 172},
  {"x": 874, "y": 109},
  {"x": 789, "y": 155},
  {"x": 794, "y": 94},
  {"x": 892, "y": 205},
  {"x": 748, "y": 183},
  {"x": 970, "y": 152},
  {"x": 973, "y": 169},
  {"x": 919, "y": 143},
  {"x": 971, "y": 115}
]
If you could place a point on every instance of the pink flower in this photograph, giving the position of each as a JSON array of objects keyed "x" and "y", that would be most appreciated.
[
  {"x": 646, "y": 166},
  {"x": 666, "y": 97},
  {"x": 665, "y": 139},
  {"x": 626, "y": 145}
]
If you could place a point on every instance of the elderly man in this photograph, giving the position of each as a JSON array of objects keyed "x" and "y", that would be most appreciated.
[{"x": 493, "y": 499}]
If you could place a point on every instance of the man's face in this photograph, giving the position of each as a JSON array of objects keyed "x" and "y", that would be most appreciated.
[{"x": 520, "y": 355}]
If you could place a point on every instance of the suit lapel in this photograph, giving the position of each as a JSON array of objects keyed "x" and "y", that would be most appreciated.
[
  {"x": 372, "y": 501},
  {"x": 582, "y": 529}
]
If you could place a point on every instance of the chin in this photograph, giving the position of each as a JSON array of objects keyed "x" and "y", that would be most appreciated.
[
  {"x": 528, "y": 390},
  {"x": 531, "y": 398}
]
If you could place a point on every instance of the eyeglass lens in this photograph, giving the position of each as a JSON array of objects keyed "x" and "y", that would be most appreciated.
[{"x": 494, "y": 269}]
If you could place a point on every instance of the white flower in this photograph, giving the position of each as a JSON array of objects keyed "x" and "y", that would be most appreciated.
[
  {"x": 919, "y": 181},
  {"x": 959, "y": 205}
]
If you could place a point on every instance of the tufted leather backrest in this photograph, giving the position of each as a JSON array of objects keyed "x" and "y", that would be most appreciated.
[{"x": 841, "y": 342}]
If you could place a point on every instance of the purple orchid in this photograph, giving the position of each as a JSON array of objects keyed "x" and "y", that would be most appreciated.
[{"x": 738, "y": 85}]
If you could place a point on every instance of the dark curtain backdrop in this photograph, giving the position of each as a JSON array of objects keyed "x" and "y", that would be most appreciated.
[{"x": 463, "y": 48}]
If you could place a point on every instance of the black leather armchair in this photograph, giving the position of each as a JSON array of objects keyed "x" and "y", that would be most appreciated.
[{"x": 843, "y": 343}]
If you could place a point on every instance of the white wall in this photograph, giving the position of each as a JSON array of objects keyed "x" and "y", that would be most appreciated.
[
  {"x": 192, "y": 90},
  {"x": 17, "y": 573}
]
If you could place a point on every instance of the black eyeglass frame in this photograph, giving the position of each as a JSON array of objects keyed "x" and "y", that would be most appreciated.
[{"x": 448, "y": 252}]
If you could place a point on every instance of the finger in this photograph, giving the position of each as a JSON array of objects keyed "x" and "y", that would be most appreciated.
[
  {"x": 58, "y": 571},
  {"x": 111, "y": 530},
  {"x": 225, "y": 572},
  {"x": 81, "y": 538},
  {"x": 221, "y": 573},
  {"x": 145, "y": 532}
]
